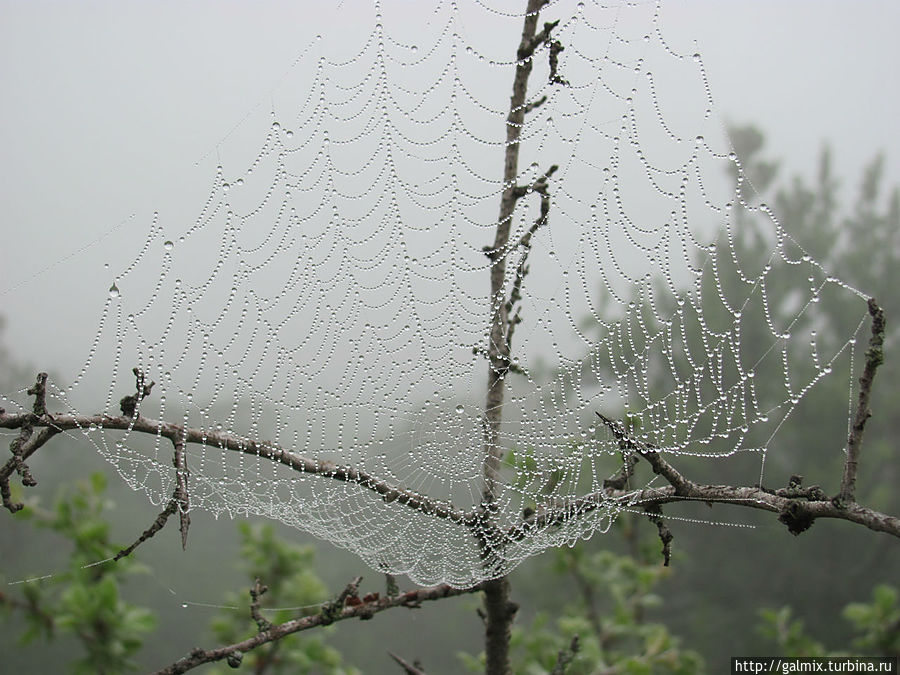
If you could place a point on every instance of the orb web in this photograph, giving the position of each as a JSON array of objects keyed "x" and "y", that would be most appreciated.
[{"x": 329, "y": 297}]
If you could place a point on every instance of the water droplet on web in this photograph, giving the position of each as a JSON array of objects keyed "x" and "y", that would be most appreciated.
[
  {"x": 168, "y": 245},
  {"x": 696, "y": 56},
  {"x": 460, "y": 409},
  {"x": 114, "y": 291}
]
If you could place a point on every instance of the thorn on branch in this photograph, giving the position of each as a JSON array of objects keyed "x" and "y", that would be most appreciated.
[{"x": 128, "y": 404}]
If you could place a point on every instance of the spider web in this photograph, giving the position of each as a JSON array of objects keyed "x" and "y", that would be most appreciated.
[{"x": 330, "y": 295}]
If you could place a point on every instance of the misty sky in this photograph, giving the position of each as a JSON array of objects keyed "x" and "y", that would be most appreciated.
[{"x": 109, "y": 106}]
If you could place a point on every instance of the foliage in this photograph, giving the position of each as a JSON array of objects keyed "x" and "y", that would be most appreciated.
[
  {"x": 287, "y": 571},
  {"x": 84, "y": 600},
  {"x": 608, "y": 598},
  {"x": 875, "y": 628}
]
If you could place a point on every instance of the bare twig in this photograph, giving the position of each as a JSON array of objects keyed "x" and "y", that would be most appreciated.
[
  {"x": 498, "y": 346},
  {"x": 682, "y": 485},
  {"x": 256, "y": 592},
  {"x": 874, "y": 358},
  {"x": 408, "y": 668},
  {"x": 654, "y": 512},
  {"x": 27, "y": 442},
  {"x": 555, "y": 48},
  {"x": 410, "y": 599},
  {"x": 181, "y": 497},
  {"x": 157, "y": 525}
]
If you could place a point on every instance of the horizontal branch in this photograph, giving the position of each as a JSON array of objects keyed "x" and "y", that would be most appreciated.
[
  {"x": 179, "y": 434},
  {"x": 796, "y": 512},
  {"x": 364, "y": 610}
]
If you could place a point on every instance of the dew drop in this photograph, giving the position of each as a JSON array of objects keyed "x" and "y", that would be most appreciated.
[
  {"x": 460, "y": 409},
  {"x": 168, "y": 245},
  {"x": 114, "y": 291}
]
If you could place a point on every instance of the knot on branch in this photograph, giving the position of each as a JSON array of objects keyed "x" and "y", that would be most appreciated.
[
  {"x": 128, "y": 405},
  {"x": 796, "y": 517}
]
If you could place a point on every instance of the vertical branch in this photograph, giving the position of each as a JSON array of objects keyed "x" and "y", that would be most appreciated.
[
  {"x": 498, "y": 346},
  {"x": 499, "y": 611},
  {"x": 874, "y": 358}
]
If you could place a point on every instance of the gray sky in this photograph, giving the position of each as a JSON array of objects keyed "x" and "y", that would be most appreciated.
[{"x": 108, "y": 106}]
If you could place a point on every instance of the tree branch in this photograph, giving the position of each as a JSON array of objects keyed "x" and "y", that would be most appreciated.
[
  {"x": 410, "y": 599},
  {"x": 408, "y": 668},
  {"x": 874, "y": 358},
  {"x": 796, "y": 512},
  {"x": 179, "y": 434}
]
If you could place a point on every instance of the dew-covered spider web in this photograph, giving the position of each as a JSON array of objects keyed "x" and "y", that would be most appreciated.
[{"x": 329, "y": 296}]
